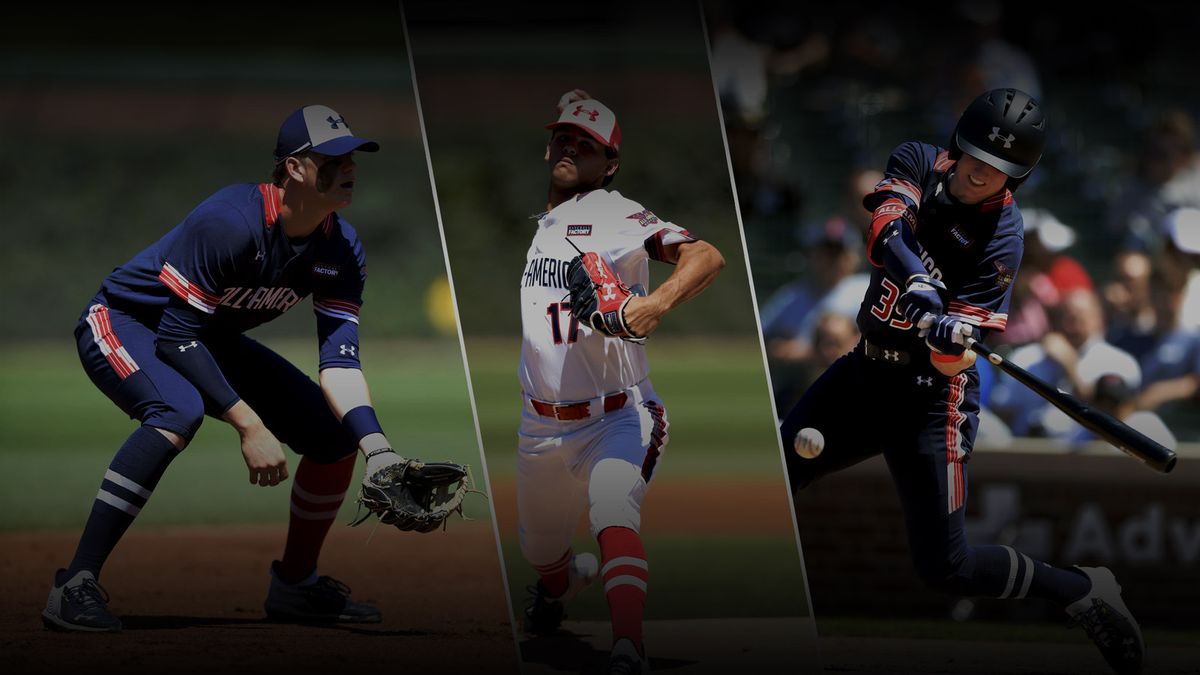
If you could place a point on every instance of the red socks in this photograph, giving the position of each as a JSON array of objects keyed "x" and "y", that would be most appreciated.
[
  {"x": 624, "y": 571},
  {"x": 317, "y": 494}
]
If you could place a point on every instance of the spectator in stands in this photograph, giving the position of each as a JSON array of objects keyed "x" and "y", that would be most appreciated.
[
  {"x": 1167, "y": 177},
  {"x": 1171, "y": 367},
  {"x": 1072, "y": 358},
  {"x": 1116, "y": 396},
  {"x": 1047, "y": 275},
  {"x": 1130, "y": 316}
]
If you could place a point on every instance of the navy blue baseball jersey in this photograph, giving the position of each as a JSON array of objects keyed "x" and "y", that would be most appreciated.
[
  {"x": 229, "y": 266},
  {"x": 974, "y": 249}
]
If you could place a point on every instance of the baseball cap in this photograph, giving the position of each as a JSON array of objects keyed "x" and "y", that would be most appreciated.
[
  {"x": 1051, "y": 232},
  {"x": 593, "y": 117},
  {"x": 1183, "y": 225},
  {"x": 320, "y": 129}
]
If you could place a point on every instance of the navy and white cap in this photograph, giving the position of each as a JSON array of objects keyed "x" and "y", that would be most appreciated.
[{"x": 320, "y": 129}]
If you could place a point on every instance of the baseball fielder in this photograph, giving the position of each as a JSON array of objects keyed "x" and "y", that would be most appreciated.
[
  {"x": 592, "y": 429},
  {"x": 946, "y": 242},
  {"x": 163, "y": 338}
]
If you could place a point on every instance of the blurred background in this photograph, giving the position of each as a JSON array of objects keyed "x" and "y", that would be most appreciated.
[
  {"x": 488, "y": 80},
  {"x": 814, "y": 101}
]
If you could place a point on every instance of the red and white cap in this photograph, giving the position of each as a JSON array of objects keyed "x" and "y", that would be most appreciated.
[{"x": 593, "y": 117}]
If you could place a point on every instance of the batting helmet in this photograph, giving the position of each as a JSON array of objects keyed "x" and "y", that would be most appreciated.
[{"x": 1005, "y": 128}]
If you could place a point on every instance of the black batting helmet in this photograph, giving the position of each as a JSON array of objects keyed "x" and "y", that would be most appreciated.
[{"x": 1005, "y": 128}]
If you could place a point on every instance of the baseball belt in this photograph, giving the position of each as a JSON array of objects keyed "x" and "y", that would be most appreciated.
[
  {"x": 578, "y": 411},
  {"x": 896, "y": 357}
]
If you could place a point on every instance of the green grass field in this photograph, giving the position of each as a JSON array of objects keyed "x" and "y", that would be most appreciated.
[{"x": 58, "y": 434}]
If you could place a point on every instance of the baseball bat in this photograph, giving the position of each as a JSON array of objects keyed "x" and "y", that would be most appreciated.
[{"x": 1105, "y": 426}]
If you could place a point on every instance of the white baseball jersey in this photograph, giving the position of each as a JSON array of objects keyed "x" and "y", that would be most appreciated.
[{"x": 561, "y": 360}]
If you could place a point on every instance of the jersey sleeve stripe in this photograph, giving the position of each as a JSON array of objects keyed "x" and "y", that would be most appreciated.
[
  {"x": 978, "y": 316},
  {"x": 338, "y": 309},
  {"x": 187, "y": 291},
  {"x": 902, "y": 187},
  {"x": 657, "y": 243}
]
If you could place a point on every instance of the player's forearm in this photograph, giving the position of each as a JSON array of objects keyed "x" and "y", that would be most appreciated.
[
  {"x": 242, "y": 417},
  {"x": 697, "y": 266},
  {"x": 346, "y": 391}
]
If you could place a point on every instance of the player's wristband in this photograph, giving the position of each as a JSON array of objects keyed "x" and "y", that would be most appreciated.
[{"x": 361, "y": 422}]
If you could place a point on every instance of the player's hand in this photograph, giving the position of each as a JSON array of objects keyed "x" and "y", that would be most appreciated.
[
  {"x": 945, "y": 334},
  {"x": 642, "y": 315},
  {"x": 922, "y": 295},
  {"x": 1059, "y": 349},
  {"x": 264, "y": 456},
  {"x": 571, "y": 97}
]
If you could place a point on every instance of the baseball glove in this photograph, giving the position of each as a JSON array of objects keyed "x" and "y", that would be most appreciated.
[
  {"x": 413, "y": 495},
  {"x": 598, "y": 296}
]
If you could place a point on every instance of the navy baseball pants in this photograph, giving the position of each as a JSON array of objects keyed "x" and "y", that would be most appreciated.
[{"x": 924, "y": 424}]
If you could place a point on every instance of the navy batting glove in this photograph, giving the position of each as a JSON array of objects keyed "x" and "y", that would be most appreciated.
[
  {"x": 922, "y": 295},
  {"x": 946, "y": 334}
]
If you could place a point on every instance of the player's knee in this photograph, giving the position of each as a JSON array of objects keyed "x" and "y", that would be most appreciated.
[
  {"x": 615, "y": 492},
  {"x": 181, "y": 417}
]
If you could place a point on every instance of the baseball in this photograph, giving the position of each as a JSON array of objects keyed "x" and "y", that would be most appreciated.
[{"x": 809, "y": 443}]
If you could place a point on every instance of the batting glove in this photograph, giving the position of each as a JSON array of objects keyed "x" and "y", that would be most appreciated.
[
  {"x": 921, "y": 296},
  {"x": 946, "y": 334}
]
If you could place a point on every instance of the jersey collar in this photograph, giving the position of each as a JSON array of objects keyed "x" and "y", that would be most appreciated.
[{"x": 271, "y": 204}]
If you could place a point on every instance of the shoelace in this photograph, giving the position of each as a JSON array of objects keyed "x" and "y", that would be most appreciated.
[
  {"x": 331, "y": 585},
  {"x": 87, "y": 594}
]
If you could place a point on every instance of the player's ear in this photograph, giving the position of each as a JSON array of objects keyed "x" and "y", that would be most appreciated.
[
  {"x": 295, "y": 168},
  {"x": 547, "y": 157},
  {"x": 610, "y": 168}
]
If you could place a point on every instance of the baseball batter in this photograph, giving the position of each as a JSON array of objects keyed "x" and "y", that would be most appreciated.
[
  {"x": 946, "y": 241},
  {"x": 592, "y": 429},
  {"x": 163, "y": 338}
]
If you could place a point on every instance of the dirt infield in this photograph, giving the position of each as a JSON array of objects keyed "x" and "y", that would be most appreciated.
[{"x": 191, "y": 601}]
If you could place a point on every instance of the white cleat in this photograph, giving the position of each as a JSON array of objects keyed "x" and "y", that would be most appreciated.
[
  {"x": 1108, "y": 622},
  {"x": 626, "y": 660}
]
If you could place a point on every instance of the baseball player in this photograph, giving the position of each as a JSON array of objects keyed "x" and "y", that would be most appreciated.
[
  {"x": 163, "y": 338},
  {"x": 592, "y": 428},
  {"x": 945, "y": 241}
]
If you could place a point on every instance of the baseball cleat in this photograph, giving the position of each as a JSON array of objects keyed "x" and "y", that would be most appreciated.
[
  {"x": 79, "y": 604},
  {"x": 323, "y": 600},
  {"x": 545, "y": 614},
  {"x": 626, "y": 660},
  {"x": 1108, "y": 622}
]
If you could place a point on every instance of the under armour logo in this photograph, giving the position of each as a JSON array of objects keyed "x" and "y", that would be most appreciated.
[
  {"x": 592, "y": 114},
  {"x": 260, "y": 255},
  {"x": 995, "y": 137},
  {"x": 333, "y": 123},
  {"x": 925, "y": 380},
  {"x": 890, "y": 355},
  {"x": 347, "y": 349},
  {"x": 607, "y": 292},
  {"x": 184, "y": 348}
]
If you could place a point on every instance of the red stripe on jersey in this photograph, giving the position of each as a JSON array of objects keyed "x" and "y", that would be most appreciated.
[
  {"x": 338, "y": 305},
  {"x": 943, "y": 161},
  {"x": 187, "y": 291},
  {"x": 979, "y": 316},
  {"x": 955, "y": 484},
  {"x": 900, "y": 186},
  {"x": 271, "y": 203},
  {"x": 885, "y": 213},
  {"x": 997, "y": 202},
  {"x": 327, "y": 225}
]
